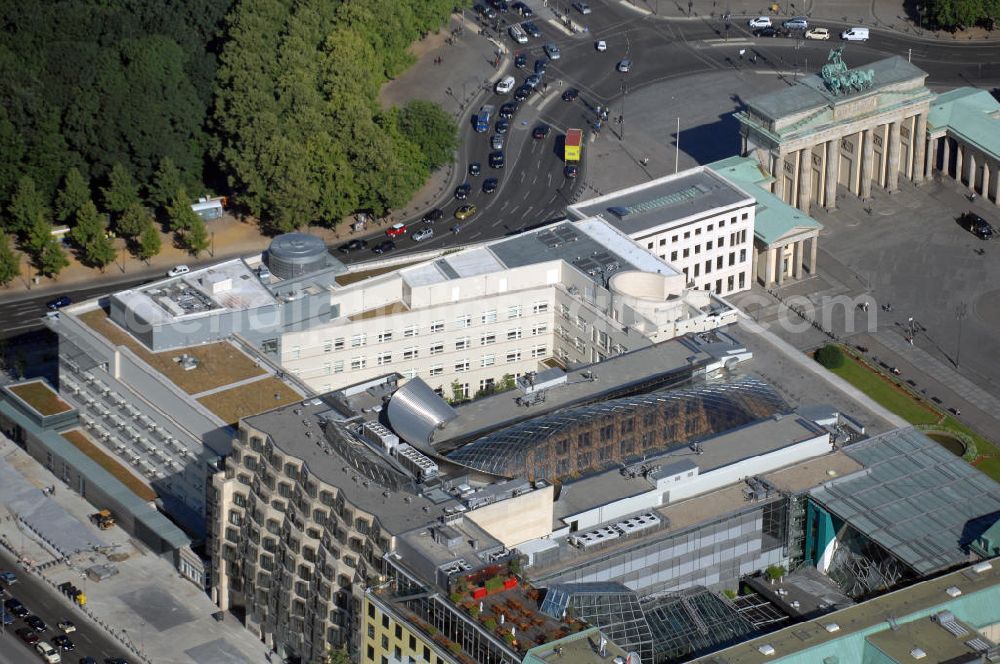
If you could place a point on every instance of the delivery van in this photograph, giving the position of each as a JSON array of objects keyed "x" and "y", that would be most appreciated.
[{"x": 855, "y": 34}]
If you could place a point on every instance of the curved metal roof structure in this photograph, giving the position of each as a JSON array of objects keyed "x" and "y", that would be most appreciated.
[
  {"x": 602, "y": 435},
  {"x": 415, "y": 411}
]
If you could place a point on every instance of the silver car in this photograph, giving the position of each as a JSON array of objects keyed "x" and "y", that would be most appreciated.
[
  {"x": 797, "y": 23},
  {"x": 497, "y": 142},
  {"x": 552, "y": 51},
  {"x": 423, "y": 234}
]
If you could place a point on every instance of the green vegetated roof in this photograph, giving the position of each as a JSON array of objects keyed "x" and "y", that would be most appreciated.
[
  {"x": 971, "y": 114},
  {"x": 774, "y": 217}
]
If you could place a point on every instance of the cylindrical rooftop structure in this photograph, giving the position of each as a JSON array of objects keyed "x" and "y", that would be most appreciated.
[{"x": 293, "y": 254}]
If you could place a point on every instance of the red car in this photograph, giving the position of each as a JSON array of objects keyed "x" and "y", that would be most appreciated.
[
  {"x": 396, "y": 230},
  {"x": 28, "y": 636}
]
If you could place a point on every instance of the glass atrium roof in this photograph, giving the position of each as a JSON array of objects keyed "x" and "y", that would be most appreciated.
[{"x": 605, "y": 434}]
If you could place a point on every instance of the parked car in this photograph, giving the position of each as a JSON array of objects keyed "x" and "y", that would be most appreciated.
[
  {"x": 353, "y": 245},
  {"x": 36, "y": 623},
  {"x": 522, "y": 9},
  {"x": 760, "y": 22},
  {"x": 552, "y": 51},
  {"x": 571, "y": 171},
  {"x": 27, "y": 635},
  {"x": 490, "y": 185},
  {"x": 59, "y": 302},
  {"x": 475, "y": 168},
  {"x": 8, "y": 577},
  {"x": 423, "y": 234},
  {"x": 465, "y": 212},
  {"x": 582, "y": 7},
  {"x": 625, "y": 66},
  {"x": 87, "y": 660},
  {"x": 434, "y": 215},
  {"x": 796, "y": 23},
  {"x": 817, "y": 33},
  {"x": 520, "y": 61},
  {"x": 6, "y": 617},
  {"x": 48, "y": 653},
  {"x": 384, "y": 247},
  {"x": 601, "y": 45},
  {"x": 14, "y": 606},
  {"x": 496, "y": 159},
  {"x": 396, "y": 230},
  {"x": 178, "y": 270},
  {"x": 540, "y": 132},
  {"x": 571, "y": 94},
  {"x": 462, "y": 191},
  {"x": 976, "y": 225}
]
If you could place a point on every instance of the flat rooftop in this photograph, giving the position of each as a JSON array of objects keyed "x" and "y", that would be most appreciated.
[
  {"x": 613, "y": 376},
  {"x": 227, "y": 286},
  {"x": 295, "y": 430},
  {"x": 580, "y": 648},
  {"x": 938, "y": 644},
  {"x": 39, "y": 397},
  {"x": 811, "y": 642},
  {"x": 916, "y": 500},
  {"x": 665, "y": 202},
  {"x": 590, "y": 245}
]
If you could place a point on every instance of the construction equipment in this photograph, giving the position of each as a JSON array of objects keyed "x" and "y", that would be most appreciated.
[{"x": 102, "y": 519}]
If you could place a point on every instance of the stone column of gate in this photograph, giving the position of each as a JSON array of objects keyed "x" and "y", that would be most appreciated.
[
  {"x": 769, "y": 267},
  {"x": 972, "y": 170},
  {"x": 946, "y": 156},
  {"x": 797, "y": 257},
  {"x": 892, "y": 176},
  {"x": 931, "y": 157},
  {"x": 919, "y": 138},
  {"x": 778, "y": 171},
  {"x": 959, "y": 156},
  {"x": 755, "y": 258},
  {"x": 985, "y": 193},
  {"x": 779, "y": 265},
  {"x": 867, "y": 160},
  {"x": 832, "y": 172},
  {"x": 812, "y": 253},
  {"x": 805, "y": 178}
]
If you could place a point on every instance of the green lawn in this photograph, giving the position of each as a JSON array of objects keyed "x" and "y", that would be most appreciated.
[
  {"x": 886, "y": 393},
  {"x": 900, "y": 401}
]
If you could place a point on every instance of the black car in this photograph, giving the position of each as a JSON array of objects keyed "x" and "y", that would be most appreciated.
[
  {"x": 570, "y": 94},
  {"x": 540, "y": 132},
  {"x": 115, "y": 660},
  {"x": 571, "y": 171},
  {"x": 475, "y": 169},
  {"x": 520, "y": 61},
  {"x": 59, "y": 302},
  {"x": 87, "y": 660},
  {"x": 496, "y": 159},
  {"x": 14, "y": 606},
  {"x": 508, "y": 110},
  {"x": 36, "y": 623},
  {"x": 976, "y": 225},
  {"x": 500, "y": 5},
  {"x": 502, "y": 126},
  {"x": 490, "y": 185},
  {"x": 434, "y": 215},
  {"x": 531, "y": 29},
  {"x": 770, "y": 31},
  {"x": 522, "y": 9},
  {"x": 540, "y": 66},
  {"x": 462, "y": 191},
  {"x": 384, "y": 246},
  {"x": 522, "y": 93},
  {"x": 353, "y": 245},
  {"x": 63, "y": 642}
]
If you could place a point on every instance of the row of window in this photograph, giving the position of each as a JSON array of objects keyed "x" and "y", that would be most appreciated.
[
  {"x": 734, "y": 238},
  {"x": 461, "y": 322}
]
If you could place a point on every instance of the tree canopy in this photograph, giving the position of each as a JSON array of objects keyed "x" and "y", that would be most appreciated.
[
  {"x": 300, "y": 132},
  {"x": 962, "y": 13}
]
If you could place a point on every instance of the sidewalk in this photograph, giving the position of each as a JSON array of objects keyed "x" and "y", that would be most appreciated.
[{"x": 888, "y": 15}]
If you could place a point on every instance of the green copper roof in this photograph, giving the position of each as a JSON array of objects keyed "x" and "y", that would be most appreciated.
[
  {"x": 970, "y": 114},
  {"x": 774, "y": 218}
]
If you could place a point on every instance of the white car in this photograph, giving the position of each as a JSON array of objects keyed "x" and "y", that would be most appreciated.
[
  {"x": 67, "y": 626},
  {"x": 624, "y": 66},
  {"x": 178, "y": 270},
  {"x": 48, "y": 653},
  {"x": 505, "y": 85},
  {"x": 817, "y": 33},
  {"x": 760, "y": 22},
  {"x": 582, "y": 7},
  {"x": 601, "y": 46}
]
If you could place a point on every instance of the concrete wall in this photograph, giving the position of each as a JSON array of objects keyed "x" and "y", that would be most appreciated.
[{"x": 517, "y": 519}]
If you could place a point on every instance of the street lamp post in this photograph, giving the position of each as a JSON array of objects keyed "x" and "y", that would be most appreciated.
[
  {"x": 211, "y": 249},
  {"x": 961, "y": 311}
]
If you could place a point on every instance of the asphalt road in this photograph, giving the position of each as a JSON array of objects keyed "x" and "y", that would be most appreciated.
[
  {"x": 532, "y": 188},
  {"x": 44, "y": 602}
]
